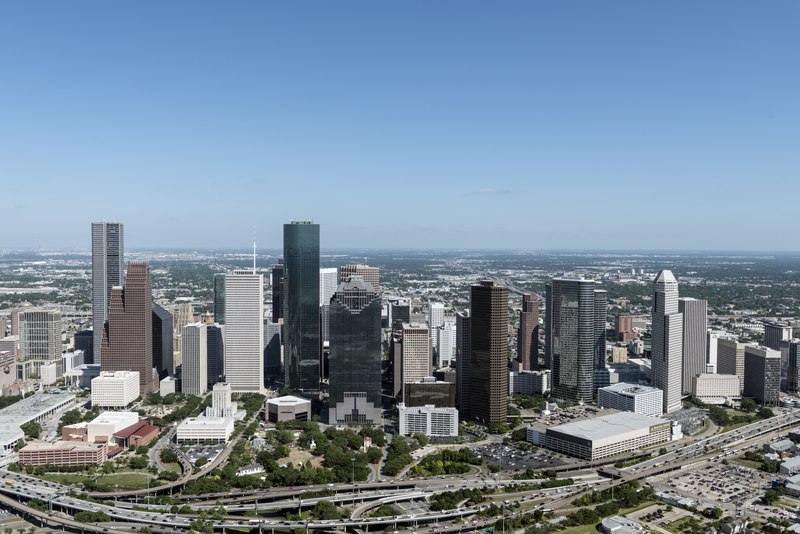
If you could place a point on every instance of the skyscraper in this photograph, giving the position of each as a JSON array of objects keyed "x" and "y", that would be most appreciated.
[
  {"x": 128, "y": 336},
  {"x": 488, "y": 360},
  {"x": 762, "y": 375},
  {"x": 219, "y": 298},
  {"x": 528, "y": 335},
  {"x": 463, "y": 336},
  {"x": 277, "y": 292},
  {"x": 695, "y": 339},
  {"x": 774, "y": 333},
  {"x": 216, "y": 353},
  {"x": 730, "y": 358},
  {"x": 107, "y": 267},
  {"x": 244, "y": 331},
  {"x": 355, "y": 357},
  {"x": 194, "y": 348},
  {"x": 793, "y": 371},
  {"x": 328, "y": 281},
  {"x": 371, "y": 275},
  {"x": 272, "y": 351},
  {"x": 40, "y": 341},
  {"x": 446, "y": 343},
  {"x": 600, "y": 309},
  {"x": 162, "y": 341},
  {"x": 416, "y": 352},
  {"x": 572, "y": 337},
  {"x": 301, "y": 307},
  {"x": 667, "y": 355}
]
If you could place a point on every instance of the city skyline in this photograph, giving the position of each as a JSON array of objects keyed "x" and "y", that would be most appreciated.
[{"x": 674, "y": 111}]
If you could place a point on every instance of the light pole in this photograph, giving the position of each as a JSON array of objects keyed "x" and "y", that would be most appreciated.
[{"x": 353, "y": 480}]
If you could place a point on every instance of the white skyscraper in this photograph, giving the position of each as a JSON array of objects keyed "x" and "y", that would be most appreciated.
[
  {"x": 435, "y": 320},
  {"x": 667, "y": 357},
  {"x": 244, "y": 331},
  {"x": 447, "y": 344},
  {"x": 328, "y": 281},
  {"x": 107, "y": 268},
  {"x": 194, "y": 348},
  {"x": 416, "y": 352}
]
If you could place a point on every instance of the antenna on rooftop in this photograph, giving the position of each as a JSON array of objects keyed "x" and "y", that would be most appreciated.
[{"x": 254, "y": 249}]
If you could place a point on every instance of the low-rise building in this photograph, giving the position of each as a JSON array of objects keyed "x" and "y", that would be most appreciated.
[
  {"x": 429, "y": 391},
  {"x": 529, "y": 382},
  {"x": 205, "y": 430},
  {"x": 620, "y": 525},
  {"x": 608, "y": 435},
  {"x": 31, "y": 409},
  {"x": 626, "y": 397},
  {"x": 429, "y": 420},
  {"x": 115, "y": 389},
  {"x": 288, "y": 408},
  {"x": 790, "y": 466},
  {"x": 63, "y": 453},
  {"x": 716, "y": 389}
]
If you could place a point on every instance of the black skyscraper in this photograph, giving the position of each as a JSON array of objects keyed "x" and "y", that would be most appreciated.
[{"x": 162, "y": 340}]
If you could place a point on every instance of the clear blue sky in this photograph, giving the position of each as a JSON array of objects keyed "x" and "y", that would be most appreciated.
[{"x": 532, "y": 124}]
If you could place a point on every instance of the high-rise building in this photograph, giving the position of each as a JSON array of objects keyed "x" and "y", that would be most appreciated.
[
  {"x": 277, "y": 292},
  {"x": 774, "y": 333},
  {"x": 488, "y": 360},
  {"x": 548, "y": 326},
  {"x": 128, "y": 336},
  {"x": 302, "y": 314},
  {"x": 399, "y": 312},
  {"x": 446, "y": 342},
  {"x": 215, "y": 350},
  {"x": 194, "y": 348},
  {"x": 244, "y": 331},
  {"x": 623, "y": 327},
  {"x": 762, "y": 375},
  {"x": 84, "y": 340},
  {"x": 107, "y": 268},
  {"x": 272, "y": 351},
  {"x": 219, "y": 298},
  {"x": 667, "y": 341},
  {"x": 40, "y": 342},
  {"x": 600, "y": 313},
  {"x": 371, "y": 275},
  {"x": 695, "y": 339},
  {"x": 711, "y": 350},
  {"x": 572, "y": 337},
  {"x": 793, "y": 372},
  {"x": 416, "y": 352},
  {"x": 463, "y": 336},
  {"x": 162, "y": 341},
  {"x": 355, "y": 355},
  {"x": 328, "y": 282},
  {"x": 730, "y": 358},
  {"x": 528, "y": 335}
]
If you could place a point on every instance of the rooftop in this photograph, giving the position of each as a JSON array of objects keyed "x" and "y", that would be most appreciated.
[
  {"x": 629, "y": 390},
  {"x": 608, "y": 426},
  {"x": 288, "y": 400}
]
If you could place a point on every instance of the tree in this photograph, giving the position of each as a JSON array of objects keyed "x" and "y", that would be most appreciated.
[
  {"x": 32, "y": 429},
  {"x": 326, "y": 510},
  {"x": 765, "y": 413},
  {"x": 168, "y": 456},
  {"x": 70, "y": 418},
  {"x": 137, "y": 462},
  {"x": 201, "y": 461},
  {"x": 771, "y": 496},
  {"x": 749, "y": 405}
]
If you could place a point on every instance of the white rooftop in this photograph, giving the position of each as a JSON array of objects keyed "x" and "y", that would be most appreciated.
[
  {"x": 629, "y": 390},
  {"x": 288, "y": 400},
  {"x": 608, "y": 426}
]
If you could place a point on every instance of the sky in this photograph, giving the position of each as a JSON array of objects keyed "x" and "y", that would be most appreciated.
[{"x": 450, "y": 124}]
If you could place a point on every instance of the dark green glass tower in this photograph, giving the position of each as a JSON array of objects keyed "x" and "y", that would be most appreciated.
[{"x": 301, "y": 305}]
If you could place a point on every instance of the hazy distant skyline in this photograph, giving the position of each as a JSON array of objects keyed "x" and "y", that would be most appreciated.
[{"x": 514, "y": 125}]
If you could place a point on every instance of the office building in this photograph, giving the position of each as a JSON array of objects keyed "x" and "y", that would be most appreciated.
[
  {"x": 215, "y": 351},
  {"x": 488, "y": 360},
  {"x": 301, "y": 309},
  {"x": 625, "y": 397},
  {"x": 399, "y": 312},
  {"x": 435, "y": 320},
  {"x": 288, "y": 408},
  {"x": 355, "y": 355},
  {"x": 667, "y": 340},
  {"x": 416, "y": 352},
  {"x": 428, "y": 420},
  {"x": 8, "y": 368},
  {"x": 221, "y": 403},
  {"x": 446, "y": 342},
  {"x": 84, "y": 340},
  {"x": 774, "y": 333},
  {"x": 244, "y": 331},
  {"x": 608, "y": 435},
  {"x": 793, "y": 371},
  {"x": 194, "y": 369},
  {"x": 623, "y": 328},
  {"x": 272, "y": 351},
  {"x": 39, "y": 341},
  {"x": 430, "y": 391},
  {"x": 107, "y": 271},
  {"x": 600, "y": 315},
  {"x": 128, "y": 336},
  {"x": 572, "y": 337},
  {"x": 528, "y": 335},
  {"x": 695, "y": 339},
  {"x": 716, "y": 389},
  {"x": 115, "y": 389},
  {"x": 162, "y": 340},
  {"x": 328, "y": 282},
  {"x": 762, "y": 375},
  {"x": 463, "y": 336},
  {"x": 205, "y": 430},
  {"x": 730, "y": 358},
  {"x": 277, "y": 292},
  {"x": 711, "y": 350},
  {"x": 529, "y": 382},
  {"x": 619, "y": 354},
  {"x": 371, "y": 275},
  {"x": 219, "y": 298}
]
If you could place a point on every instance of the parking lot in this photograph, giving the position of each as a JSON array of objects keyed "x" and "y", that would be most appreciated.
[
  {"x": 510, "y": 458},
  {"x": 196, "y": 452},
  {"x": 716, "y": 485}
]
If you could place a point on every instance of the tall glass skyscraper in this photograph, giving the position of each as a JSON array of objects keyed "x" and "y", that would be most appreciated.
[
  {"x": 355, "y": 360},
  {"x": 572, "y": 337},
  {"x": 667, "y": 355},
  {"x": 219, "y": 298},
  {"x": 301, "y": 305},
  {"x": 107, "y": 268}
]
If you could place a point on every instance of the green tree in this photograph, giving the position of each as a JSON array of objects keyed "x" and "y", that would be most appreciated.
[
  {"x": 201, "y": 461},
  {"x": 137, "y": 462},
  {"x": 168, "y": 456},
  {"x": 32, "y": 429},
  {"x": 749, "y": 405}
]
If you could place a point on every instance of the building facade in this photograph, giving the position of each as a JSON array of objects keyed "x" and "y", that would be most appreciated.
[
  {"x": 762, "y": 375},
  {"x": 301, "y": 305},
  {"x": 695, "y": 339},
  {"x": 488, "y": 360},
  {"x": 108, "y": 260},
  {"x": 428, "y": 420},
  {"x": 162, "y": 341},
  {"x": 194, "y": 370},
  {"x": 371, "y": 275},
  {"x": 39, "y": 341},
  {"x": 244, "y": 331},
  {"x": 219, "y": 298},
  {"x": 711, "y": 388},
  {"x": 115, "y": 389},
  {"x": 416, "y": 352},
  {"x": 528, "y": 334},
  {"x": 667, "y": 340},
  {"x": 463, "y": 337},
  {"x": 625, "y": 397},
  {"x": 730, "y": 358}
]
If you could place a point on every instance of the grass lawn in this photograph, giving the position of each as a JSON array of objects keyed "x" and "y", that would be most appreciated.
[
  {"x": 64, "y": 478},
  {"x": 126, "y": 481},
  {"x": 747, "y": 463},
  {"x": 637, "y": 508},
  {"x": 176, "y": 468},
  {"x": 677, "y": 526},
  {"x": 585, "y": 529}
]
